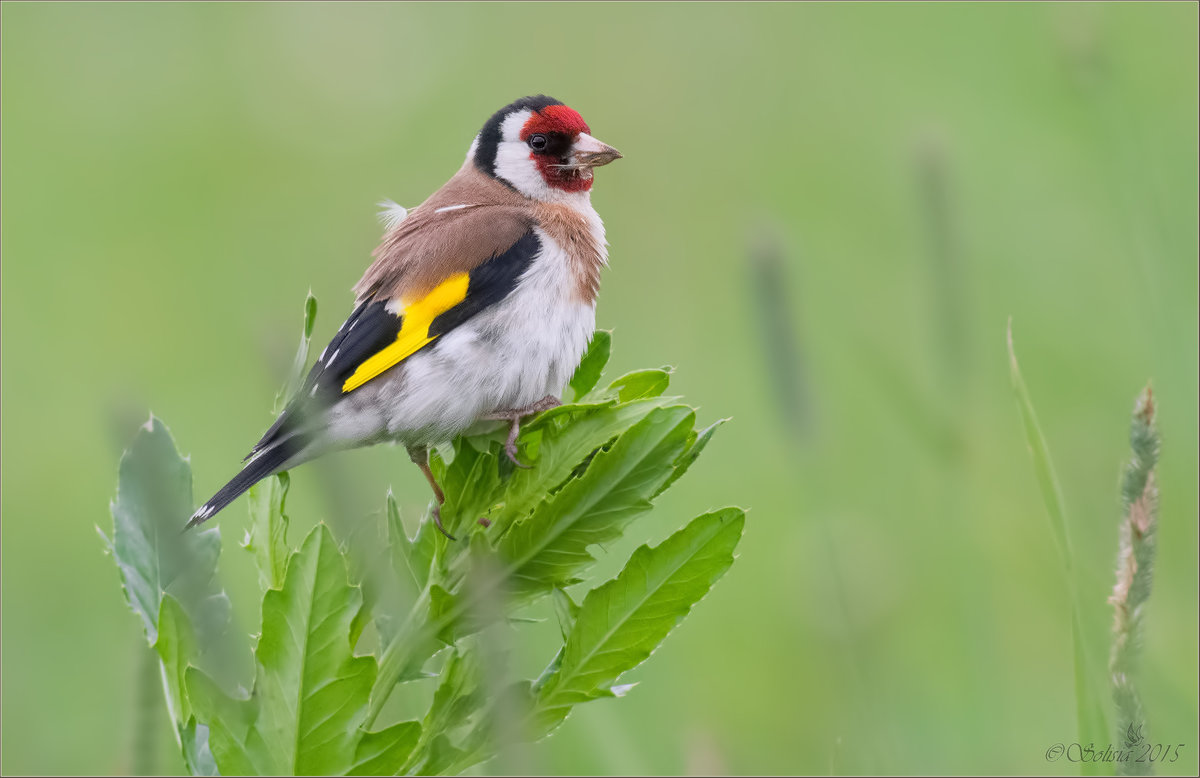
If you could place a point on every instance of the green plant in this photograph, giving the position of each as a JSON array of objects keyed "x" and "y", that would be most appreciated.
[
  {"x": 1089, "y": 713},
  {"x": 318, "y": 701}
]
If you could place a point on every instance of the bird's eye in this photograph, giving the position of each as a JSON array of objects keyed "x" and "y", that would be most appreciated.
[{"x": 538, "y": 142}]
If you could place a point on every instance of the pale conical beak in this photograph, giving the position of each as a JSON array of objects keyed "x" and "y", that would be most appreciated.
[{"x": 589, "y": 152}]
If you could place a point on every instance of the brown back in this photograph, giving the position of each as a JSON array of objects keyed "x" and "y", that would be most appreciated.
[{"x": 427, "y": 247}]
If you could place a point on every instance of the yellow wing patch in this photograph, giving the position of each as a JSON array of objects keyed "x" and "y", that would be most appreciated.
[{"x": 414, "y": 331}]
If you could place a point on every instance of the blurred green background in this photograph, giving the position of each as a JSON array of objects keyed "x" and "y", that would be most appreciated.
[{"x": 824, "y": 219}]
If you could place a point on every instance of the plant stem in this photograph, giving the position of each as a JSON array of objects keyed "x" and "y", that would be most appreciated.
[
  {"x": 144, "y": 755},
  {"x": 1089, "y": 714}
]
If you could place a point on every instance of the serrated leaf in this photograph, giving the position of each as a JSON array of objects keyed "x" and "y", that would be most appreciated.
[
  {"x": 193, "y": 743},
  {"x": 317, "y": 687},
  {"x": 549, "y": 547},
  {"x": 175, "y": 646},
  {"x": 564, "y": 447},
  {"x": 442, "y": 756},
  {"x": 691, "y": 454},
  {"x": 471, "y": 483},
  {"x": 154, "y": 502},
  {"x": 620, "y": 623},
  {"x": 369, "y": 564},
  {"x": 587, "y": 375},
  {"x": 640, "y": 384},
  {"x": 411, "y": 558},
  {"x": 229, "y": 721},
  {"x": 156, "y": 560},
  {"x": 310, "y": 692},
  {"x": 444, "y": 611},
  {"x": 170, "y": 580},
  {"x": 458, "y": 694},
  {"x": 566, "y": 610},
  {"x": 268, "y": 529},
  {"x": 176, "y": 649},
  {"x": 563, "y": 414},
  {"x": 386, "y": 751}
]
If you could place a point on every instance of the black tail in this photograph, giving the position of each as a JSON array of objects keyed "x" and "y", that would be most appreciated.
[{"x": 269, "y": 461}]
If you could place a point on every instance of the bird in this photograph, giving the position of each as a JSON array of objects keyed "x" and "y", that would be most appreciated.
[{"x": 478, "y": 305}]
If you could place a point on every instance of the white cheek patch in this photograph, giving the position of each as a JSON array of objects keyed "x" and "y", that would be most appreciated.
[
  {"x": 514, "y": 166},
  {"x": 512, "y": 158}
]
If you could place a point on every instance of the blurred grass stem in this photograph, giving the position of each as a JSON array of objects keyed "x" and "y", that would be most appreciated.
[
  {"x": 1090, "y": 715},
  {"x": 1135, "y": 576},
  {"x": 147, "y": 715}
]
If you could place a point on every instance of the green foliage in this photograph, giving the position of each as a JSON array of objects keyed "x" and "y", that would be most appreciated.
[
  {"x": 622, "y": 621},
  {"x": 1089, "y": 713},
  {"x": 169, "y": 579},
  {"x": 314, "y": 705},
  {"x": 267, "y": 536},
  {"x": 306, "y": 709}
]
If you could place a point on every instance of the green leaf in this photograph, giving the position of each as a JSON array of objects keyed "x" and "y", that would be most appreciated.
[
  {"x": 193, "y": 743},
  {"x": 386, "y": 751},
  {"x": 176, "y": 648},
  {"x": 459, "y": 696},
  {"x": 170, "y": 579},
  {"x": 157, "y": 560},
  {"x": 566, "y": 610},
  {"x": 229, "y": 721},
  {"x": 549, "y": 547},
  {"x": 310, "y": 692},
  {"x": 587, "y": 375},
  {"x": 690, "y": 455},
  {"x": 154, "y": 502},
  {"x": 267, "y": 537},
  {"x": 442, "y": 756},
  {"x": 620, "y": 623},
  {"x": 471, "y": 483},
  {"x": 458, "y": 693},
  {"x": 1090, "y": 716},
  {"x": 566, "y": 443},
  {"x": 369, "y": 566},
  {"x": 411, "y": 558},
  {"x": 641, "y": 384},
  {"x": 1043, "y": 468},
  {"x": 296, "y": 374},
  {"x": 562, "y": 413}
]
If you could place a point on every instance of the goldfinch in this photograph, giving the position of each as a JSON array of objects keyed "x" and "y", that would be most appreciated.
[{"x": 478, "y": 305}]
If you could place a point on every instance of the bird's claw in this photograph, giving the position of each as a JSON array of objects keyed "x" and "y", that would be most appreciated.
[
  {"x": 510, "y": 451},
  {"x": 437, "y": 520}
]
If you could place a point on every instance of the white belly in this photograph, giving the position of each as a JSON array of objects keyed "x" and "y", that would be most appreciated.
[{"x": 507, "y": 357}]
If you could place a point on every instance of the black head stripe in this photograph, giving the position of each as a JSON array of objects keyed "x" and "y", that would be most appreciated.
[{"x": 489, "y": 136}]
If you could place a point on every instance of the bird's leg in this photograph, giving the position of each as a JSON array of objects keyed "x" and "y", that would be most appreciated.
[
  {"x": 514, "y": 416},
  {"x": 420, "y": 457}
]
